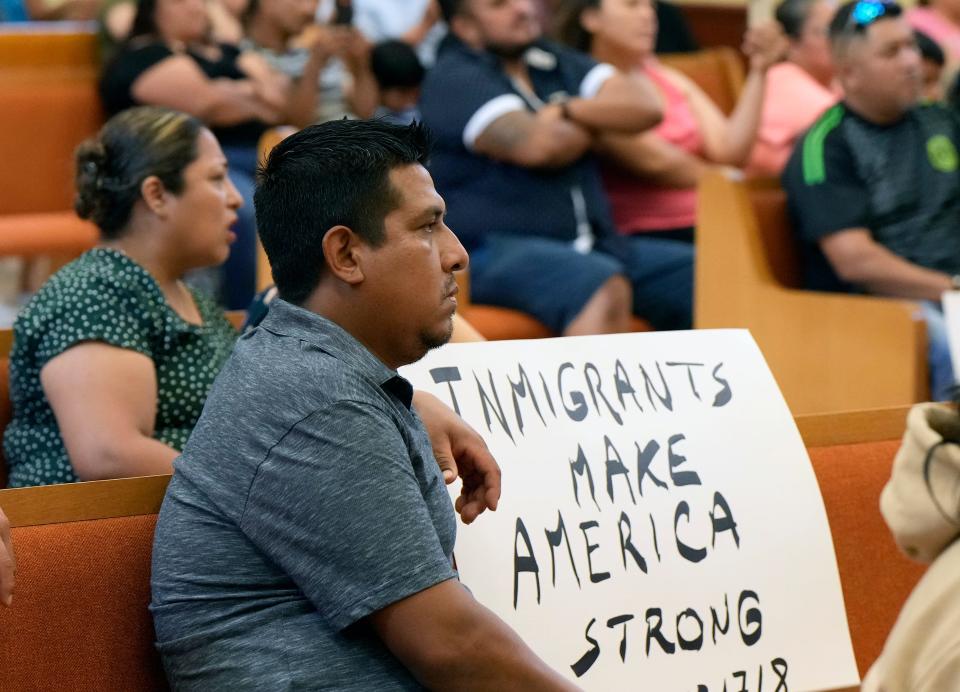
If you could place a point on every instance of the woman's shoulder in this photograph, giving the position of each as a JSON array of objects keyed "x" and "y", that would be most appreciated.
[
  {"x": 139, "y": 54},
  {"x": 101, "y": 296},
  {"x": 125, "y": 67},
  {"x": 98, "y": 278}
]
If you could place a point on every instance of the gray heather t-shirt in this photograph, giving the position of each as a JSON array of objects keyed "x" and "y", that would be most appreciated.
[{"x": 306, "y": 499}]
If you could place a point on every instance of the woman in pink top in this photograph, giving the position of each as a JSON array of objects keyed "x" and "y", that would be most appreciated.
[
  {"x": 651, "y": 178},
  {"x": 798, "y": 90}
]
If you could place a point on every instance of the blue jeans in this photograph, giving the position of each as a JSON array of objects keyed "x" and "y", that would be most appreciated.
[
  {"x": 239, "y": 271},
  {"x": 942, "y": 381}
]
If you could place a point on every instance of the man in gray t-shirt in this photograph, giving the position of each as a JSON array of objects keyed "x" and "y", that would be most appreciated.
[{"x": 306, "y": 538}]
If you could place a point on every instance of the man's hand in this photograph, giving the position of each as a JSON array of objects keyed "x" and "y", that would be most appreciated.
[
  {"x": 459, "y": 450},
  {"x": 8, "y": 565}
]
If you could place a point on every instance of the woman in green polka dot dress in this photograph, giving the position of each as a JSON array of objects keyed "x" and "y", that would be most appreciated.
[{"x": 114, "y": 356}]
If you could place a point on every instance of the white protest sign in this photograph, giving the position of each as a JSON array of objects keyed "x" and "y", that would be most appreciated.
[
  {"x": 660, "y": 526},
  {"x": 950, "y": 300}
]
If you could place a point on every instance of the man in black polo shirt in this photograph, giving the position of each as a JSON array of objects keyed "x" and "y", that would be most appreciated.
[
  {"x": 514, "y": 118},
  {"x": 873, "y": 187}
]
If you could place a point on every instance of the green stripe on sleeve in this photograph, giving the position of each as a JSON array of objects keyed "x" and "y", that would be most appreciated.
[{"x": 814, "y": 170}]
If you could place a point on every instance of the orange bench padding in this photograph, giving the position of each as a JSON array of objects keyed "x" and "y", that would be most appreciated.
[
  {"x": 51, "y": 233},
  {"x": 44, "y": 115},
  {"x": 80, "y": 618},
  {"x": 497, "y": 324},
  {"x": 876, "y": 576}
]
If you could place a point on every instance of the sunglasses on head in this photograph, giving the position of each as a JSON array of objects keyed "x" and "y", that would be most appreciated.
[{"x": 866, "y": 12}]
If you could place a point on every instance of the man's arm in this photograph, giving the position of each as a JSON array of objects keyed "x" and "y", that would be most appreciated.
[
  {"x": 552, "y": 138},
  {"x": 858, "y": 259},
  {"x": 8, "y": 564},
  {"x": 533, "y": 140},
  {"x": 623, "y": 103},
  {"x": 447, "y": 640},
  {"x": 460, "y": 451}
]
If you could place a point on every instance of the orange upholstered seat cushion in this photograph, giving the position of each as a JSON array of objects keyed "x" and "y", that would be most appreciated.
[
  {"x": 876, "y": 576},
  {"x": 497, "y": 324},
  {"x": 80, "y": 620},
  {"x": 44, "y": 115}
]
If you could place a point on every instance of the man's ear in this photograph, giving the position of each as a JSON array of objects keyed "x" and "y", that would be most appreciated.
[
  {"x": 341, "y": 251},
  {"x": 154, "y": 194}
]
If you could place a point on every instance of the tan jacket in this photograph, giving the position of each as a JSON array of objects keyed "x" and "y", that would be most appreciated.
[{"x": 921, "y": 505}]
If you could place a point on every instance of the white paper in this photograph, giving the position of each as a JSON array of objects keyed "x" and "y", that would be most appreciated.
[
  {"x": 951, "y": 314},
  {"x": 740, "y": 445}
]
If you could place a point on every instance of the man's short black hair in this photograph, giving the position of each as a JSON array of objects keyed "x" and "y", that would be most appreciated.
[
  {"x": 395, "y": 65},
  {"x": 853, "y": 18},
  {"x": 334, "y": 173},
  {"x": 451, "y": 8}
]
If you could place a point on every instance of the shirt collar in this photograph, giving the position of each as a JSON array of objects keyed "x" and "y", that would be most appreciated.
[{"x": 286, "y": 319}]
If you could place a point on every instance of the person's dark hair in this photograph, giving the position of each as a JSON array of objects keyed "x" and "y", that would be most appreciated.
[
  {"x": 395, "y": 65},
  {"x": 567, "y": 27},
  {"x": 249, "y": 12},
  {"x": 929, "y": 49},
  {"x": 853, "y": 18},
  {"x": 144, "y": 21},
  {"x": 451, "y": 8},
  {"x": 134, "y": 145},
  {"x": 792, "y": 15},
  {"x": 326, "y": 175}
]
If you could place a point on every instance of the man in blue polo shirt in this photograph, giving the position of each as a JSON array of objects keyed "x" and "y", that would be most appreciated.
[
  {"x": 514, "y": 118},
  {"x": 874, "y": 187}
]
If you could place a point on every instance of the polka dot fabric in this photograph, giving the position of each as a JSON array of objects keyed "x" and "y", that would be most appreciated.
[{"x": 105, "y": 296}]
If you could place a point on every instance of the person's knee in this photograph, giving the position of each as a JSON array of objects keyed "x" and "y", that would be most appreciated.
[
  {"x": 617, "y": 296},
  {"x": 608, "y": 310}
]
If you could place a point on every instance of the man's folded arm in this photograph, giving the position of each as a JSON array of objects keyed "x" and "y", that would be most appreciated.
[
  {"x": 448, "y": 640},
  {"x": 533, "y": 140},
  {"x": 858, "y": 259},
  {"x": 623, "y": 103}
]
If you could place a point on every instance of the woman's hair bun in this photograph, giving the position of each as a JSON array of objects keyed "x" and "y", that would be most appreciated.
[{"x": 91, "y": 158}]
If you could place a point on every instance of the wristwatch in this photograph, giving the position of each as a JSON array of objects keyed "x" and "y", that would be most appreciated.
[{"x": 955, "y": 282}]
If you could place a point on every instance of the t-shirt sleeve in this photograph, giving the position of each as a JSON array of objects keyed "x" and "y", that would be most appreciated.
[
  {"x": 92, "y": 310},
  {"x": 337, "y": 506},
  {"x": 120, "y": 74},
  {"x": 461, "y": 100},
  {"x": 584, "y": 72},
  {"x": 824, "y": 192}
]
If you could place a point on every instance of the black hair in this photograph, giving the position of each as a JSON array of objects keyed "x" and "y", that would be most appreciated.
[
  {"x": 792, "y": 15},
  {"x": 395, "y": 65},
  {"x": 330, "y": 174},
  {"x": 929, "y": 49},
  {"x": 567, "y": 27},
  {"x": 451, "y": 8},
  {"x": 132, "y": 146},
  {"x": 145, "y": 20},
  {"x": 843, "y": 27}
]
